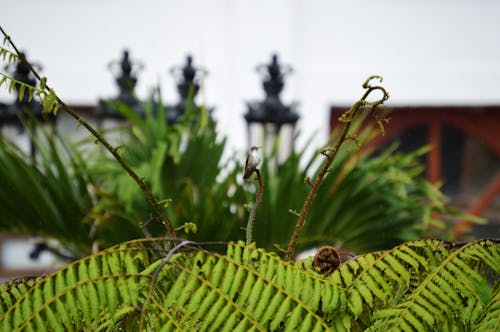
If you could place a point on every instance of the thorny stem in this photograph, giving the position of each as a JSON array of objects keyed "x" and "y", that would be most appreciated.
[
  {"x": 330, "y": 154},
  {"x": 253, "y": 211},
  {"x": 149, "y": 195}
]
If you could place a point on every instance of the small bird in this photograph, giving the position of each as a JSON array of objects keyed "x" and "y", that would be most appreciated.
[{"x": 252, "y": 162}]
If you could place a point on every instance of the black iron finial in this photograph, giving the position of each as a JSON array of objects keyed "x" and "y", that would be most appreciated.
[
  {"x": 126, "y": 79},
  {"x": 125, "y": 64},
  {"x": 188, "y": 71},
  {"x": 125, "y": 72},
  {"x": 187, "y": 78},
  {"x": 270, "y": 122},
  {"x": 273, "y": 77},
  {"x": 272, "y": 109}
]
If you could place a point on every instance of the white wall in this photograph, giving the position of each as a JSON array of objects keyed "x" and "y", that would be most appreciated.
[{"x": 429, "y": 52}]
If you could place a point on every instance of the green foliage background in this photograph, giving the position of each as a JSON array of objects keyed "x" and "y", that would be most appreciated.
[{"x": 367, "y": 202}]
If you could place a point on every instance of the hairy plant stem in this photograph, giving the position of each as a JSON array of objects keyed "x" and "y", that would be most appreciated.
[
  {"x": 330, "y": 154},
  {"x": 114, "y": 151},
  {"x": 253, "y": 210}
]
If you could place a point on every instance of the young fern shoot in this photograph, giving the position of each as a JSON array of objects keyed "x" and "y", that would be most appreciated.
[{"x": 330, "y": 152}]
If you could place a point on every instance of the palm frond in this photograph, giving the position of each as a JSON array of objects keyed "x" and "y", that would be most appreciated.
[{"x": 45, "y": 197}]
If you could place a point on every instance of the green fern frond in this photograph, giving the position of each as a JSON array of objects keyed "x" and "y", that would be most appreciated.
[
  {"x": 249, "y": 289},
  {"x": 23, "y": 89},
  {"x": 48, "y": 98},
  {"x": 450, "y": 289},
  {"x": 82, "y": 293},
  {"x": 12, "y": 290},
  {"x": 417, "y": 286},
  {"x": 490, "y": 318},
  {"x": 8, "y": 56}
]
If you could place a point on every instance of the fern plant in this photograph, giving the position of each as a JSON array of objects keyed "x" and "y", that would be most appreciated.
[
  {"x": 417, "y": 286},
  {"x": 168, "y": 284}
]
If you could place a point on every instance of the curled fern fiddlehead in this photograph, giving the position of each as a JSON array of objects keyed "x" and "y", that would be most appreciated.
[{"x": 330, "y": 152}]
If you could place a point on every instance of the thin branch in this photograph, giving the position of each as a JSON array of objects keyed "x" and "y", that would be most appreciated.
[
  {"x": 155, "y": 275},
  {"x": 330, "y": 154},
  {"x": 253, "y": 210},
  {"x": 149, "y": 195},
  {"x": 145, "y": 231}
]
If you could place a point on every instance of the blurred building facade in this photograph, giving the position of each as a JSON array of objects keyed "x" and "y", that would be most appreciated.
[{"x": 464, "y": 154}]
